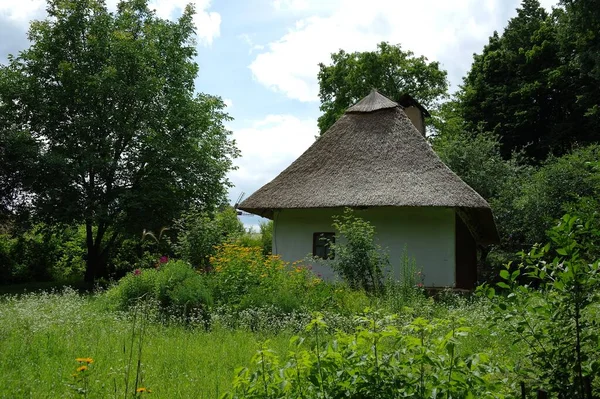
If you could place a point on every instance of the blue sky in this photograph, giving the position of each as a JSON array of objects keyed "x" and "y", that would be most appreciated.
[{"x": 262, "y": 56}]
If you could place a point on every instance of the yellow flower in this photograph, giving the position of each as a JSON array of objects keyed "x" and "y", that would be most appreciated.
[
  {"x": 143, "y": 390},
  {"x": 87, "y": 360},
  {"x": 82, "y": 368}
]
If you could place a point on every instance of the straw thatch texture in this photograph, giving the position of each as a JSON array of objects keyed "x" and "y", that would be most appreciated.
[
  {"x": 372, "y": 159},
  {"x": 372, "y": 102}
]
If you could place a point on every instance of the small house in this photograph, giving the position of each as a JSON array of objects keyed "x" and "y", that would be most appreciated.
[{"x": 376, "y": 160}]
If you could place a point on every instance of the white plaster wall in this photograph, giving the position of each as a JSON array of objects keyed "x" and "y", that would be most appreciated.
[{"x": 427, "y": 234}]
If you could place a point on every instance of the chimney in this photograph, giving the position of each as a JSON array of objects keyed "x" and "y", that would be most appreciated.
[{"x": 415, "y": 112}]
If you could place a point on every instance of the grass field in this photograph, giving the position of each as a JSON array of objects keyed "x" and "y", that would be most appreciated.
[{"x": 41, "y": 335}]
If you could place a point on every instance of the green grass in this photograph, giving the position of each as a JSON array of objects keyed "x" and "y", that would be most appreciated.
[{"x": 42, "y": 334}]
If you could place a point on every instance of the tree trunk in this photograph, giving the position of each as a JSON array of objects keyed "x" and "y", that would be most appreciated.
[{"x": 92, "y": 255}]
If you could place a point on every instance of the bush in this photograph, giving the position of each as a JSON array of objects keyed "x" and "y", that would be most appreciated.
[
  {"x": 200, "y": 232},
  {"x": 7, "y": 262},
  {"x": 552, "y": 307},
  {"x": 266, "y": 236},
  {"x": 176, "y": 287},
  {"x": 249, "y": 239},
  {"x": 137, "y": 285},
  {"x": 358, "y": 259},
  {"x": 180, "y": 287},
  {"x": 243, "y": 277},
  {"x": 378, "y": 360}
]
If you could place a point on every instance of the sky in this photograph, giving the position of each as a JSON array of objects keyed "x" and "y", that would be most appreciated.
[{"x": 262, "y": 56}]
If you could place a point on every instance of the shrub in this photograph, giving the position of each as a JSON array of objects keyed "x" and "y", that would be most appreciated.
[
  {"x": 243, "y": 277},
  {"x": 200, "y": 232},
  {"x": 266, "y": 236},
  {"x": 7, "y": 262},
  {"x": 552, "y": 307},
  {"x": 43, "y": 253},
  {"x": 176, "y": 287},
  {"x": 377, "y": 360},
  {"x": 249, "y": 239},
  {"x": 136, "y": 285},
  {"x": 358, "y": 259},
  {"x": 180, "y": 287}
]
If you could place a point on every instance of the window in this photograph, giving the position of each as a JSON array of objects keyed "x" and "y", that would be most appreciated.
[{"x": 321, "y": 247}]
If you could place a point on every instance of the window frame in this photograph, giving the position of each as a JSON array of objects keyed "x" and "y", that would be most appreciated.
[{"x": 322, "y": 236}]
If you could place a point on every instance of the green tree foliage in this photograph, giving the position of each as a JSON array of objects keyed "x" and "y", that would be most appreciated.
[
  {"x": 109, "y": 99},
  {"x": 580, "y": 44},
  {"x": 530, "y": 206},
  {"x": 476, "y": 158},
  {"x": 525, "y": 90},
  {"x": 389, "y": 69},
  {"x": 17, "y": 160}
]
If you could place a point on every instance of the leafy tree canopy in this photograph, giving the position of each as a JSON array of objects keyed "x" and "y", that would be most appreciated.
[
  {"x": 124, "y": 143},
  {"x": 475, "y": 158},
  {"x": 525, "y": 89},
  {"x": 394, "y": 72}
]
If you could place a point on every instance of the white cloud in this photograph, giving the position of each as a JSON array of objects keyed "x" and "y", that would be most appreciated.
[
  {"x": 207, "y": 23},
  {"x": 21, "y": 10},
  {"x": 445, "y": 31},
  {"x": 268, "y": 146},
  {"x": 246, "y": 39}
]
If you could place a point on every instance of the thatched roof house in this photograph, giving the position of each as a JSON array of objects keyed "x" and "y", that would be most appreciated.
[{"x": 375, "y": 159}]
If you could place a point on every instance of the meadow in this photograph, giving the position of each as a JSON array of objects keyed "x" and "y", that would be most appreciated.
[{"x": 42, "y": 334}]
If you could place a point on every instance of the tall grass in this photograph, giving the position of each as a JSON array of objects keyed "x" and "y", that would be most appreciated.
[{"x": 42, "y": 334}]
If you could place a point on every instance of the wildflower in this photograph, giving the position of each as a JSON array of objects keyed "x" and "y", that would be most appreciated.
[
  {"x": 87, "y": 360},
  {"x": 81, "y": 368},
  {"x": 164, "y": 259},
  {"x": 143, "y": 390},
  {"x": 137, "y": 272},
  {"x": 420, "y": 285}
]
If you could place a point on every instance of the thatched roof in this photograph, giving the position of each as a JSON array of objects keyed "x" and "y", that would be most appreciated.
[{"x": 373, "y": 156}]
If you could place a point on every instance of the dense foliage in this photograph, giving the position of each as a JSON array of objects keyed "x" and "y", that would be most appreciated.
[
  {"x": 555, "y": 311},
  {"x": 199, "y": 233},
  {"x": 358, "y": 259},
  {"x": 105, "y": 102},
  {"x": 531, "y": 85}
]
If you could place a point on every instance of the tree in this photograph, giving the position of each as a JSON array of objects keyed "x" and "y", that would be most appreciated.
[
  {"x": 519, "y": 88},
  {"x": 557, "y": 186},
  {"x": 394, "y": 72},
  {"x": 579, "y": 28},
  {"x": 475, "y": 158},
  {"x": 124, "y": 142},
  {"x": 17, "y": 160}
]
